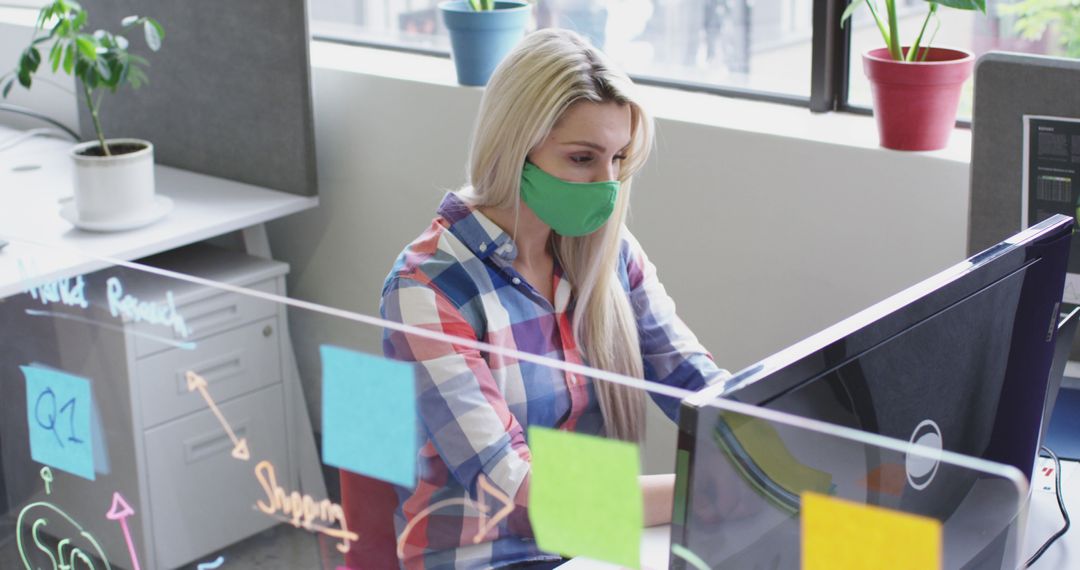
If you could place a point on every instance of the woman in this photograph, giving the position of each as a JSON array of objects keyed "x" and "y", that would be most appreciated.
[{"x": 533, "y": 255}]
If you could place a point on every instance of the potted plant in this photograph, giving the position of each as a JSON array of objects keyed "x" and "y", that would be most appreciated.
[
  {"x": 114, "y": 178},
  {"x": 916, "y": 87},
  {"x": 482, "y": 32}
]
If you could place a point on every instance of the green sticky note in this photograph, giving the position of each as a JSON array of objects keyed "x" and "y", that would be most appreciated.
[{"x": 584, "y": 497}]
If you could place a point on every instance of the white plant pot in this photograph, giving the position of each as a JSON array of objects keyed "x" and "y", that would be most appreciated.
[{"x": 113, "y": 188}]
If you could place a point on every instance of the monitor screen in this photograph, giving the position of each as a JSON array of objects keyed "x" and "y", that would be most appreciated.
[{"x": 960, "y": 362}]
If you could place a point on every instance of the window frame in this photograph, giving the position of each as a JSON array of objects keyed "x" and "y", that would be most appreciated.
[{"x": 831, "y": 58}]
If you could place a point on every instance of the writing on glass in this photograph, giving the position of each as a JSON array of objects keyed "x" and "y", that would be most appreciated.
[
  {"x": 47, "y": 415},
  {"x": 49, "y": 538},
  {"x": 71, "y": 292},
  {"x": 120, "y": 511},
  {"x": 240, "y": 447},
  {"x": 487, "y": 522},
  {"x": 301, "y": 510},
  {"x": 132, "y": 309},
  {"x": 212, "y": 565}
]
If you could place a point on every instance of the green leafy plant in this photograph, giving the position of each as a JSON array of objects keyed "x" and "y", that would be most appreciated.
[
  {"x": 99, "y": 60},
  {"x": 889, "y": 27},
  {"x": 482, "y": 5},
  {"x": 1035, "y": 17}
]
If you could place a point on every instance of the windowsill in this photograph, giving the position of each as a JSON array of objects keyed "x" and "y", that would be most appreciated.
[
  {"x": 771, "y": 119},
  {"x": 18, "y": 15}
]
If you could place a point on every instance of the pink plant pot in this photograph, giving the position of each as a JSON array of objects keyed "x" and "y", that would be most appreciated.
[{"x": 915, "y": 102}]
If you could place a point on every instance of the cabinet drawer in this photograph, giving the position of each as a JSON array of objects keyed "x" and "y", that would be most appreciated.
[
  {"x": 233, "y": 363},
  {"x": 206, "y": 311},
  {"x": 203, "y": 499}
]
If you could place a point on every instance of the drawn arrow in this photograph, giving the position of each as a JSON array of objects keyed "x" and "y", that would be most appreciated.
[
  {"x": 694, "y": 560},
  {"x": 485, "y": 488},
  {"x": 47, "y": 477},
  {"x": 120, "y": 511},
  {"x": 240, "y": 446},
  {"x": 212, "y": 565}
]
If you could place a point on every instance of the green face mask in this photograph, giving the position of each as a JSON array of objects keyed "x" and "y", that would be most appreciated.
[{"x": 572, "y": 209}]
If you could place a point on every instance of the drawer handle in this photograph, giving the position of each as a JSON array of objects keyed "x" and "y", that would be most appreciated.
[
  {"x": 268, "y": 330},
  {"x": 214, "y": 371},
  {"x": 219, "y": 369},
  {"x": 209, "y": 445},
  {"x": 213, "y": 318}
]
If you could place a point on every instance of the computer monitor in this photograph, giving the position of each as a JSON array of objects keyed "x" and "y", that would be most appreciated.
[{"x": 961, "y": 360}]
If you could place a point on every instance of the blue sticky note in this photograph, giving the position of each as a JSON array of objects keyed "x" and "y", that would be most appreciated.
[
  {"x": 369, "y": 415},
  {"x": 58, "y": 413}
]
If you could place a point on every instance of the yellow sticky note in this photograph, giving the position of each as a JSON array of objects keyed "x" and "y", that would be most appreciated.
[
  {"x": 584, "y": 498},
  {"x": 839, "y": 534}
]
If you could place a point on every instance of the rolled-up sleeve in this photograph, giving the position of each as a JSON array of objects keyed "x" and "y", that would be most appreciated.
[
  {"x": 670, "y": 351},
  {"x": 459, "y": 403}
]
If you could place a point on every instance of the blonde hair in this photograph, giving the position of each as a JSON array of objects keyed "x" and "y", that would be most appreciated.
[{"x": 547, "y": 72}]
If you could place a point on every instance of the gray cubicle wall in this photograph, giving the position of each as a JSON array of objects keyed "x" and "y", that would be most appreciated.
[
  {"x": 229, "y": 93},
  {"x": 1007, "y": 87}
]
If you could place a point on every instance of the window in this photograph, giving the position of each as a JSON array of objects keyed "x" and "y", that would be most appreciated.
[
  {"x": 22, "y": 3},
  {"x": 756, "y": 48},
  {"x": 755, "y": 45},
  {"x": 760, "y": 49}
]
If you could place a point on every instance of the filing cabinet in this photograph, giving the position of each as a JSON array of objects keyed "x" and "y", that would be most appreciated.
[
  {"x": 201, "y": 497},
  {"x": 162, "y": 446}
]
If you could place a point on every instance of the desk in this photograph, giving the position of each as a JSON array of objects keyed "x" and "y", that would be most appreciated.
[
  {"x": 655, "y": 543},
  {"x": 204, "y": 207},
  {"x": 1044, "y": 519}
]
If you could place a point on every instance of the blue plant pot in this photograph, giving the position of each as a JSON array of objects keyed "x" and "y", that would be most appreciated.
[{"x": 480, "y": 40}]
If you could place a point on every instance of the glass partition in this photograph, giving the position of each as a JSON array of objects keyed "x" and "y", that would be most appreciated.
[{"x": 182, "y": 411}]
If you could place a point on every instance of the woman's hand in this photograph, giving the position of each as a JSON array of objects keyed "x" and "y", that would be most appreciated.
[{"x": 658, "y": 493}]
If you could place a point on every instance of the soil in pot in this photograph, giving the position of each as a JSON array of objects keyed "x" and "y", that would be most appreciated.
[{"x": 115, "y": 148}]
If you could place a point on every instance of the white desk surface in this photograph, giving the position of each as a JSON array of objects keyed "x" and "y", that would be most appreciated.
[
  {"x": 1044, "y": 519},
  {"x": 204, "y": 207},
  {"x": 655, "y": 541}
]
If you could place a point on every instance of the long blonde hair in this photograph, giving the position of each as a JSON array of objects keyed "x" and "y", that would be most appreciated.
[{"x": 549, "y": 71}]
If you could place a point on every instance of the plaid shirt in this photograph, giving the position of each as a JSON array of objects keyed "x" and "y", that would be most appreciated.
[{"x": 458, "y": 278}]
